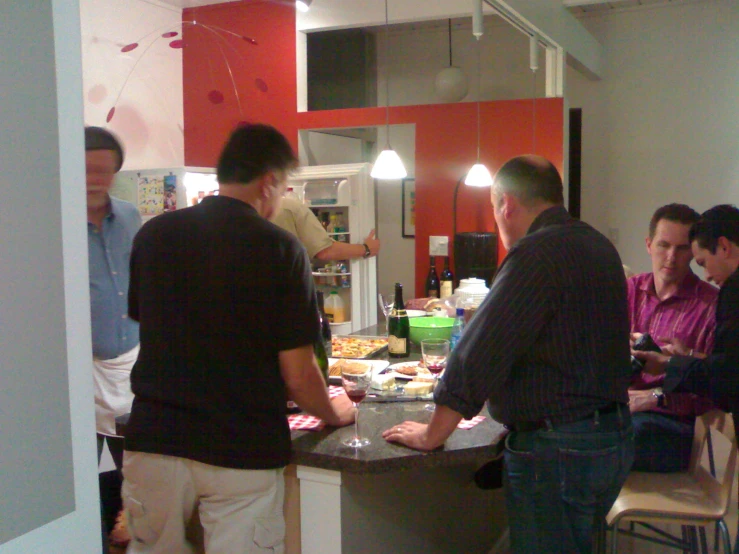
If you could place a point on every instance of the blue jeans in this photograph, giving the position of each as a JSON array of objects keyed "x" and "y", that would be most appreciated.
[
  {"x": 663, "y": 444},
  {"x": 562, "y": 479}
]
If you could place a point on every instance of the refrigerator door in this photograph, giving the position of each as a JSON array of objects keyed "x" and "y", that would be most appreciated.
[{"x": 345, "y": 194}]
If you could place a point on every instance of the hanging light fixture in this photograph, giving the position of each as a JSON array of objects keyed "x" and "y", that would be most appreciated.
[
  {"x": 451, "y": 82},
  {"x": 534, "y": 65},
  {"x": 388, "y": 164},
  {"x": 303, "y": 5},
  {"x": 478, "y": 176}
]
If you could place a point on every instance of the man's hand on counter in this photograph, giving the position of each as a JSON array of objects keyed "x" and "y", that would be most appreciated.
[
  {"x": 344, "y": 410},
  {"x": 421, "y": 436}
]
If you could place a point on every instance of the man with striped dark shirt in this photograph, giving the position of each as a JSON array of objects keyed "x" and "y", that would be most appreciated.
[{"x": 549, "y": 350}]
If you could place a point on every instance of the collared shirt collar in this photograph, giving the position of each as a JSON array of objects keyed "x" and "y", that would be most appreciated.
[{"x": 687, "y": 288}]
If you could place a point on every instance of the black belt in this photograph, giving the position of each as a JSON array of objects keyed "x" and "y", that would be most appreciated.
[{"x": 544, "y": 423}]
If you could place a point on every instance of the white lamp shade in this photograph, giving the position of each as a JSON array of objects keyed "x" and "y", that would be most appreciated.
[
  {"x": 451, "y": 84},
  {"x": 478, "y": 176},
  {"x": 388, "y": 166},
  {"x": 303, "y": 5}
]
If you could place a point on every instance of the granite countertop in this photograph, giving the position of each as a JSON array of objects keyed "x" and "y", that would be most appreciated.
[{"x": 323, "y": 449}]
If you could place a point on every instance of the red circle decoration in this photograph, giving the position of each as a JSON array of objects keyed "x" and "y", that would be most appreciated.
[
  {"x": 111, "y": 113},
  {"x": 129, "y": 47},
  {"x": 177, "y": 44},
  {"x": 261, "y": 85},
  {"x": 170, "y": 34},
  {"x": 215, "y": 97}
]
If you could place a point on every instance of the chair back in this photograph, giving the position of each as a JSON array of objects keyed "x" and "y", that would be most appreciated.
[{"x": 718, "y": 487}]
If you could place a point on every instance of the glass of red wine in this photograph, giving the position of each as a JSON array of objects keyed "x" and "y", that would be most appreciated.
[
  {"x": 356, "y": 384},
  {"x": 435, "y": 353}
]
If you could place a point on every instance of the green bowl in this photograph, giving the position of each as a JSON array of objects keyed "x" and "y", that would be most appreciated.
[{"x": 430, "y": 328}]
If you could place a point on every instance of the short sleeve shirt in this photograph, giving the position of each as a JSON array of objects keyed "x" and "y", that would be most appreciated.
[
  {"x": 219, "y": 292},
  {"x": 298, "y": 219}
]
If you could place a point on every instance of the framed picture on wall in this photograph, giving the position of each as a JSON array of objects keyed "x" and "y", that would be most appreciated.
[{"x": 408, "y": 190}]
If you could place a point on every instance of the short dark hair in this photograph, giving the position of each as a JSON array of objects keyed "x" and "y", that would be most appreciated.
[
  {"x": 530, "y": 178},
  {"x": 719, "y": 221},
  {"x": 97, "y": 138},
  {"x": 252, "y": 150},
  {"x": 677, "y": 213}
]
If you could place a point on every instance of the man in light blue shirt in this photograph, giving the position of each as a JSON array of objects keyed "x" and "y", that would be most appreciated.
[{"x": 111, "y": 226}]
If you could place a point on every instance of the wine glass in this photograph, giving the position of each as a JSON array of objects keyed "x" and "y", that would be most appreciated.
[
  {"x": 435, "y": 353},
  {"x": 386, "y": 303},
  {"x": 356, "y": 385}
]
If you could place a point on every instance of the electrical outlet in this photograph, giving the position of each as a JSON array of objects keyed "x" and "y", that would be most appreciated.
[{"x": 438, "y": 246}]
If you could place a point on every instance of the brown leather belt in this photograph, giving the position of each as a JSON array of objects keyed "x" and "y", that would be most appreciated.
[{"x": 528, "y": 426}]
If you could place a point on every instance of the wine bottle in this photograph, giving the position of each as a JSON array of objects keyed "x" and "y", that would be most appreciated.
[
  {"x": 432, "y": 281},
  {"x": 325, "y": 327},
  {"x": 398, "y": 327},
  {"x": 319, "y": 348},
  {"x": 447, "y": 280}
]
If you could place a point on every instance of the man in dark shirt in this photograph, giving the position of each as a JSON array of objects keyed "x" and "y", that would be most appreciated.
[
  {"x": 228, "y": 317},
  {"x": 549, "y": 350}
]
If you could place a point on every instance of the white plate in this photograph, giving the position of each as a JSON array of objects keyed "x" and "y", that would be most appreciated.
[
  {"x": 392, "y": 368},
  {"x": 376, "y": 365}
]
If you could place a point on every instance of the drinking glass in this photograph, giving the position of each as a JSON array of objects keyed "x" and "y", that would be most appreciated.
[
  {"x": 386, "y": 303},
  {"x": 435, "y": 353},
  {"x": 356, "y": 386}
]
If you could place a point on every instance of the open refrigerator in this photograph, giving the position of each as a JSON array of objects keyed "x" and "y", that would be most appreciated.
[{"x": 343, "y": 199}]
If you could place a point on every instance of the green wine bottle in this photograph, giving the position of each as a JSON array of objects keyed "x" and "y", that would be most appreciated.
[
  {"x": 398, "y": 328},
  {"x": 319, "y": 347}
]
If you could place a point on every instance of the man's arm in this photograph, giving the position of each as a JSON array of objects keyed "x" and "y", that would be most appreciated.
[
  {"x": 344, "y": 250},
  {"x": 425, "y": 437},
  {"x": 305, "y": 386}
]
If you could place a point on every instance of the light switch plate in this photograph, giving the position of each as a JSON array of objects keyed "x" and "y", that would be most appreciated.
[{"x": 438, "y": 246}]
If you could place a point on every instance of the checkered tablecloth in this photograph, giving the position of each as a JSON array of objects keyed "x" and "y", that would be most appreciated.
[{"x": 305, "y": 422}]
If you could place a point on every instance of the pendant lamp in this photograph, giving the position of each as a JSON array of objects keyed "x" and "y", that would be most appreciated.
[
  {"x": 388, "y": 164},
  {"x": 451, "y": 82},
  {"x": 303, "y": 5},
  {"x": 478, "y": 176}
]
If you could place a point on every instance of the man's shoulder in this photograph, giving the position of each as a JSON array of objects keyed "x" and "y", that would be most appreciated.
[
  {"x": 640, "y": 281},
  {"x": 122, "y": 206}
]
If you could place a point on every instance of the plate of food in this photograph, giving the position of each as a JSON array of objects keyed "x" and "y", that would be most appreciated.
[
  {"x": 337, "y": 365},
  {"x": 356, "y": 347},
  {"x": 409, "y": 371}
]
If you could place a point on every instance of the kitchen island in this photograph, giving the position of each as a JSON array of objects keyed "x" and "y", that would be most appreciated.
[{"x": 390, "y": 498}]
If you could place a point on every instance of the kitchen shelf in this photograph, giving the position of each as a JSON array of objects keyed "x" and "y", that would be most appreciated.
[
  {"x": 340, "y": 233},
  {"x": 324, "y": 274}
]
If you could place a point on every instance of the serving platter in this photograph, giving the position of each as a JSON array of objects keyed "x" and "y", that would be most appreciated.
[
  {"x": 376, "y": 365},
  {"x": 357, "y": 347}
]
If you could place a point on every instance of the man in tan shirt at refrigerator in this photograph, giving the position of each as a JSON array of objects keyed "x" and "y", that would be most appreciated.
[{"x": 297, "y": 218}]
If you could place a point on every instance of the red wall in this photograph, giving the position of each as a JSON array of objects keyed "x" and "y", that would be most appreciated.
[
  {"x": 445, "y": 133},
  {"x": 262, "y": 73}
]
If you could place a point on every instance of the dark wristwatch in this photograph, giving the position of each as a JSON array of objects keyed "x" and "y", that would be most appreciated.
[
  {"x": 367, "y": 252},
  {"x": 659, "y": 394}
]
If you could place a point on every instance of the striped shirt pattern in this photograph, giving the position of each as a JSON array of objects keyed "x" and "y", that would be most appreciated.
[
  {"x": 551, "y": 338},
  {"x": 689, "y": 315}
]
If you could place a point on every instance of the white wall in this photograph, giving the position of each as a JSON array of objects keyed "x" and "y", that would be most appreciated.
[
  {"x": 663, "y": 124},
  {"x": 144, "y": 85},
  {"x": 48, "y": 482}
]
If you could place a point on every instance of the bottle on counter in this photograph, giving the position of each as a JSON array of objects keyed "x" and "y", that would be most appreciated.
[
  {"x": 433, "y": 287},
  {"x": 447, "y": 280},
  {"x": 398, "y": 327},
  {"x": 457, "y": 328},
  {"x": 325, "y": 327},
  {"x": 334, "y": 308},
  {"x": 319, "y": 346}
]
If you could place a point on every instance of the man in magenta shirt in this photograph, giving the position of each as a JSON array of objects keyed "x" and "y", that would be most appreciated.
[{"x": 679, "y": 311}]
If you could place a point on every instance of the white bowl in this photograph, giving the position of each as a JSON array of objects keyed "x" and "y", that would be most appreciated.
[{"x": 415, "y": 313}]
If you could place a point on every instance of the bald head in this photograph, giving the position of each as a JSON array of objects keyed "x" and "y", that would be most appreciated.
[{"x": 532, "y": 179}]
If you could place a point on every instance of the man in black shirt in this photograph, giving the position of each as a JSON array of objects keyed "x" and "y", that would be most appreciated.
[
  {"x": 549, "y": 350},
  {"x": 228, "y": 317}
]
